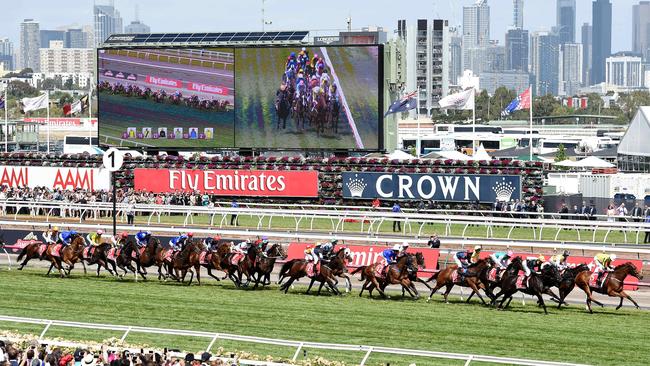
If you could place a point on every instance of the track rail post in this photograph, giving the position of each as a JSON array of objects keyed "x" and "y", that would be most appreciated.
[
  {"x": 214, "y": 339},
  {"x": 295, "y": 355},
  {"x": 126, "y": 333},
  {"x": 365, "y": 358},
  {"x": 49, "y": 324}
]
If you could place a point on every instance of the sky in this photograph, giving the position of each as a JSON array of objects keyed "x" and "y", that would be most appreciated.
[{"x": 178, "y": 16}]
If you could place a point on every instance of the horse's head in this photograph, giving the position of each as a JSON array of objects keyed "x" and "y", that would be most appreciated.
[
  {"x": 278, "y": 250},
  {"x": 628, "y": 269},
  {"x": 77, "y": 241},
  {"x": 515, "y": 265},
  {"x": 153, "y": 242},
  {"x": 551, "y": 273},
  {"x": 419, "y": 259}
]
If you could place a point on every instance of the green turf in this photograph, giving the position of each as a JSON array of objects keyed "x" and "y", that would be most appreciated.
[{"x": 607, "y": 337}]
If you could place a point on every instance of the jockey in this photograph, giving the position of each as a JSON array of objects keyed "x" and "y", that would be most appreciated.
[
  {"x": 51, "y": 235},
  {"x": 502, "y": 259},
  {"x": 261, "y": 245},
  {"x": 66, "y": 236},
  {"x": 313, "y": 82},
  {"x": 300, "y": 77},
  {"x": 320, "y": 67},
  {"x": 558, "y": 260},
  {"x": 533, "y": 263},
  {"x": 142, "y": 238},
  {"x": 603, "y": 263},
  {"x": 94, "y": 239},
  {"x": 402, "y": 249},
  {"x": 309, "y": 254},
  {"x": 303, "y": 58},
  {"x": 212, "y": 242},
  {"x": 325, "y": 80},
  {"x": 333, "y": 96},
  {"x": 242, "y": 248},
  {"x": 291, "y": 61},
  {"x": 178, "y": 242},
  {"x": 322, "y": 250},
  {"x": 390, "y": 255},
  {"x": 476, "y": 254},
  {"x": 314, "y": 61},
  {"x": 116, "y": 240}
]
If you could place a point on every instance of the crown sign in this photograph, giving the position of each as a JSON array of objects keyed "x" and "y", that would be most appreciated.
[
  {"x": 356, "y": 186},
  {"x": 503, "y": 191}
]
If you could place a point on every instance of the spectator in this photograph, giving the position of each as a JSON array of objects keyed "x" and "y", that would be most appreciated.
[
  {"x": 591, "y": 212},
  {"x": 646, "y": 240},
  {"x": 421, "y": 206},
  {"x": 621, "y": 211},
  {"x": 397, "y": 225},
  {"x": 234, "y": 221},
  {"x": 434, "y": 241},
  {"x": 375, "y": 204},
  {"x": 611, "y": 212},
  {"x": 130, "y": 213},
  {"x": 637, "y": 213},
  {"x": 583, "y": 210},
  {"x": 564, "y": 210}
]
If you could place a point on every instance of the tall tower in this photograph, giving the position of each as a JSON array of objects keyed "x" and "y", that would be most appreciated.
[
  {"x": 566, "y": 20},
  {"x": 601, "y": 38},
  {"x": 30, "y": 43},
  {"x": 518, "y": 14},
  {"x": 476, "y": 34},
  {"x": 641, "y": 28},
  {"x": 107, "y": 21}
]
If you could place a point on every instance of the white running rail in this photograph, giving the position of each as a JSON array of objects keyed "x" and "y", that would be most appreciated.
[{"x": 299, "y": 345}]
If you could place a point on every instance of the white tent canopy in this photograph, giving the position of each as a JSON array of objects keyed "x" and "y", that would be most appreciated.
[
  {"x": 481, "y": 154},
  {"x": 400, "y": 155},
  {"x": 635, "y": 140},
  {"x": 590, "y": 162},
  {"x": 452, "y": 155}
]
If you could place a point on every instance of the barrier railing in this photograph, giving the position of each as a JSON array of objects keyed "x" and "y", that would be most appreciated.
[
  {"x": 299, "y": 345},
  {"x": 370, "y": 222}
]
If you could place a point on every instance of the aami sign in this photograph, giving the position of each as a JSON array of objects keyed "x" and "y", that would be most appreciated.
[{"x": 55, "y": 178}]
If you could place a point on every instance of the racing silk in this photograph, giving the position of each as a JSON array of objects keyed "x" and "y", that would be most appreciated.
[
  {"x": 303, "y": 59},
  {"x": 94, "y": 239},
  {"x": 177, "y": 241},
  {"x": 50, "y": 236},
  {"x": 558, "y": 261},
  {"x": 66, "y": 236},
  {"x": 389, "y": 256},
  {"x": 291, "y": 63},
  {"x": 115, "y": 242},
  {"x": 529, "y": 264},
  {"x": 324, "y": 79},
  {"x": 334, "y": 95},
  {"x": 142, "y": 237},
  {"x": 323, "y": 249},
  {"x": 475, "y": 256},
  {"x": 313, "y": 83},
  {"x": 603, "y": 260},
  {"x": 501, "y": 259},
  {"x": 300, "y": 78},
  {"x": 241, "y": 248}
]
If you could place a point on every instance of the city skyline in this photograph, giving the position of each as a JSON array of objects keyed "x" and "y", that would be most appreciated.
[{"x": 171, "y": 16}]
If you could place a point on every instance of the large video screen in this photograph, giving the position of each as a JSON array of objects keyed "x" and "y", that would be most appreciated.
[{"x": 262, "y": 98}]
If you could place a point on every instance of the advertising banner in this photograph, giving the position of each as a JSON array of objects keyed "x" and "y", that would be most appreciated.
[
  {"x": 212, "y": 89},
  {"x": 437, "y": 187},
  {"x": 365, "y": 255},
  {"x": 55, "y": 178},
  {"x": 62, "y": 122},
  {"x": 255, "y": 183}
]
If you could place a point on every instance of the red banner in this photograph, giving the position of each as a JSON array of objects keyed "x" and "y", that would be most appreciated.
[
  {"x": 365, "y": 255},
  {"x": 262, "y": 183},
  {"x": 205, "y": 88},
  {"x": 54, "y": 178},
  {"x": 164, "y": 82},
  {"x": 61, "y": 122}
]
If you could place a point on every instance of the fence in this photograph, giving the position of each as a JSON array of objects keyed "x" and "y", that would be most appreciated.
[
  {"x": 412, "y": 223},
  {"x": 299, "y": 345}
]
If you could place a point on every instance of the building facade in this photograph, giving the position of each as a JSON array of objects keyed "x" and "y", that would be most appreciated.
[
  {"x": 513, "y": 80},
  {"x": 107, "y": 21},
  {"x": 586, "y": 53},
  {"x": 76, "y": 38},
  {"x": 570, "y": 69},
  {"x": 518, "y": 14},
  {"x": 625, "y": 69},
  {"x": 641, "y": 28},
  {"x": 30, "y": 43},
  {"x": 50, "y": 35},
  {"x": 455, "y": 55},
  {"x": 136, "y": 27},
  {"x": 601, "y": 39},
  {"x": 476, "y": 32},
  {"x": 566, "y": 20},
  {"x": 7, "y": 53},
  {"x": 517, "y": 50},
  {"x": 545, "y": 55},
  {"x": 59, "y": 60}
]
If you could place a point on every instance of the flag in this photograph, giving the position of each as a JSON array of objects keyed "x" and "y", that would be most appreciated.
[
  {"x": 67, "y": 109},
  {"x": 463, "y": 100},
  {"x": 521, "y": 102},
  {"x": 83, "y": 104},
  {"x": 404, "y": 104},
  {"x": 2, "y": 101},
  {"x": 33, "y": 104},
  {"x": 78, "y": 106}
]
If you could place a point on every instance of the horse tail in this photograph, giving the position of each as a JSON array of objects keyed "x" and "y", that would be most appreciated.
[
  {"x": 361, "y": 269},
  {"x": 22, "y": 253},
  {"x": 286, "y": 267},
  {"x": 434, "y": 277}
]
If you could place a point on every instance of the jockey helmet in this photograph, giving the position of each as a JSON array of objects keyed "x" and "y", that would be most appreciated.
[
  {"x": 316, "y": 56},
  {"x": 248, "y": 241},
  {"x": 56, "y": 228},
  {"x": 190, "y": 234},
  {"x": 477, "y": 248},
  {"x": 293, "y": 54},
  {"x": 510, "y": 254},
  {"x": 124, "y": 234},
  {"x": 303, "y": 49},
  {"x": 613, "y": 257},
  {"x": 541, "y": 258},
  {"x": 396, "y": 247},
  {"x": 334, "y": 241},
  {"x": 216, "y": 238},
  {"x": 405, "y": 244},
  {"x": 100, "y": 231},
  {"x": 566, "y": 253}
]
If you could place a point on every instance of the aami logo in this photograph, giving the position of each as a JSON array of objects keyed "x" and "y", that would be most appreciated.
[
  {"x": 73, "y": 179},
  {"x": 14, "y": 177}
]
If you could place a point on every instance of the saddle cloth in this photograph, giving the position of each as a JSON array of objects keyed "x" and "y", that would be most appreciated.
[
  {"x": 454, "y": 277},
  {"x": 113, "y": 253},
  {"x": 312, "y": 270},
  {"x": 56, "y": 251},
  {"x": 205, "y": 257},
  {"x": 492, "y": 275},
  {"x": 41, "y": 249},
  {"x": 593, "y": 280},
  {"x": 522, "y": 282},
  {"x": 88, "y": 252},
  {"x": 379, "y": 270},
  {"x": 169, "y": 255}
]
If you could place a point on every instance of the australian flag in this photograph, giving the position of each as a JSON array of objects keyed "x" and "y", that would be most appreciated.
[
  {"x": 519, "y": 103},
  {"x": 406, "y": 103},
  {"x": 2, "y": 101}
]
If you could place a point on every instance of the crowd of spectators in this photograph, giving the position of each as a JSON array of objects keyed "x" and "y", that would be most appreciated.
[{"x": 43, "y": 355}]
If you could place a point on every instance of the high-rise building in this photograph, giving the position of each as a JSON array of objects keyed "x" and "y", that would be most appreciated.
[
  {"x": 7, "y": 53},
  {"x": 545, "y": 55},
  {"x": 586, "y": 53},
  {"x": 30, "y": 43},
  {"x": 107, "y": 21},
  {"x": 517, "y": 50},
  {"x": 137, "y": 27},
  {"x": 570, "y": 68},
  {"x": 476, "y": 33},
  {"x": 495, "y": 58},
  {"x": 427, "y": 60},
  {"x": 625, "y": 69},
  {"x": 51, "y": 35},
  {"x": 641, "y": 29},
  {"x": 76, "y": 38},
  {"x": 55, "y": 59},
  {"x": 518, "y": 14},
  {"x": 601, "y": 38},
  {"x": 455, "y": 55},
  {"x": 566, "y": 20},
  {"x": 512, "y": 80}
]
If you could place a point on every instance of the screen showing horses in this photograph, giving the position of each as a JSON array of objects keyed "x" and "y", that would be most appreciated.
[
  {"x": 167, "y": 97},
  {"x": 308, "y": 97}
]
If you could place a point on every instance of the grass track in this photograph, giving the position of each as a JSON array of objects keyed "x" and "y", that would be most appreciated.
[{"x": 567, "y": 335}]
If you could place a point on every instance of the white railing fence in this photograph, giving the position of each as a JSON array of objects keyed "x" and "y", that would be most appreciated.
[{"x": 213, "y": 337}]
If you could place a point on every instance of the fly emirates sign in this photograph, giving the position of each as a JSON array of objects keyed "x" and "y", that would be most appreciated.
[{"x": 263, "y": 183}]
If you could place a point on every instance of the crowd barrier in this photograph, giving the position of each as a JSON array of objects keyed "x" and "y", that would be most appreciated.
[{"x": 299, "y": 345}]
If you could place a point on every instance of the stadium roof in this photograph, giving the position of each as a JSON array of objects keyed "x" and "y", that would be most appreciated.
[{"x": 205, "y": 39}]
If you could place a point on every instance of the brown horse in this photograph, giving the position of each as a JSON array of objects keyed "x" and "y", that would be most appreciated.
[
  {"x": 69, "y": 255},
  {"x": 29, "y": 252},
  {"x": 447, "y": 278},
  {"x": 412, "y": 276},
  {"x": 263, "y": 265},
  {"x": 532, "y": 285},
  {"x": 147, "y": 257},
  {"x": 337, "y": 264},
  {"x": 297, "y": 269},
  {"x": 186, "y": 260},
  {"x": 395, "y": 274},
  {"x": 568, "y": 281},
  {"x": 216, "y": 259},
  {"x": 319, "y": 113},
  {"x": 613, "y": 285},
  {"x": 99, "y": 255}
]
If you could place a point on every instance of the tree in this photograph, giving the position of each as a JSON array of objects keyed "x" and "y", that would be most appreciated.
[
  {"x": 21, "y": 89},
  {"x": 482, "y": 106},
  {"x": 544, "y": 106},
  {"x": 69, "y": 84},
  {"x": 560, "y": 155}
]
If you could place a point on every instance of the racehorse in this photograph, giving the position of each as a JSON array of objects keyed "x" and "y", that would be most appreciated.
[
  {"x": 99, "y": 255},
  {"x": 299, "y": 110},
  {"x": 216, "y": 259},
  {"x": 69, "y": 255},
  {"x": 509, "y": 286},
  {"x": 613, "y": 285},
  {"x": 395, "y": 274},
  {"x": 319, "y": 113},
  {"x": 29, "y": 252},
  {"x": 187, "y": 259},
  {"x": 337, "y": 264},
  {"x": 568, "y": 281},
  {"x": 449, "y": 277},
  {"x": 147, "y": 257},
  {"x": 263, "y": 265},
  {"x": 297, "y": 269},
  {"x": 283, "y": 108},
  {"x": 333, "y": 111}
]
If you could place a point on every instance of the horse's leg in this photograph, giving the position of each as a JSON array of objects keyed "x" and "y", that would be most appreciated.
[
  {"x": 348, "y": 283},
  {"x": 320, "y": 287},
  {"x": 470, "y": 297},
  {"x": 197, "y": 269},
  {"x": 50, "y": 270},
  {"x": 287, "y": 285},
  {"x": 311, "y": 283},
  {"x": 624, "y": 295},
  {"x": 434, "y": 290},
  {"x": 84, "y": 265},
  {"x": 476, "y": 290},
  {"x": 211, "y": 275},
  {"x": 541, "y": 300}
]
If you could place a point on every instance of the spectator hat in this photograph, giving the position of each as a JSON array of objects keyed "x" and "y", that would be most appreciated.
[
  {"x": 189, "y": 357},
  {"x": 88, "y": 360},
  {"x": 205, "y": 357}
]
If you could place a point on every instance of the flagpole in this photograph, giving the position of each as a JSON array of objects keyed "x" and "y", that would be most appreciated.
[
  {"x": 418, "y": 142},
  {"x": 6, "y": 122},
  {"x": 530, "y": 137},
  {"x": 474, "y": 122},
  {"x": 48, "y": 121},
  {"x": 90, "y": 115}
]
